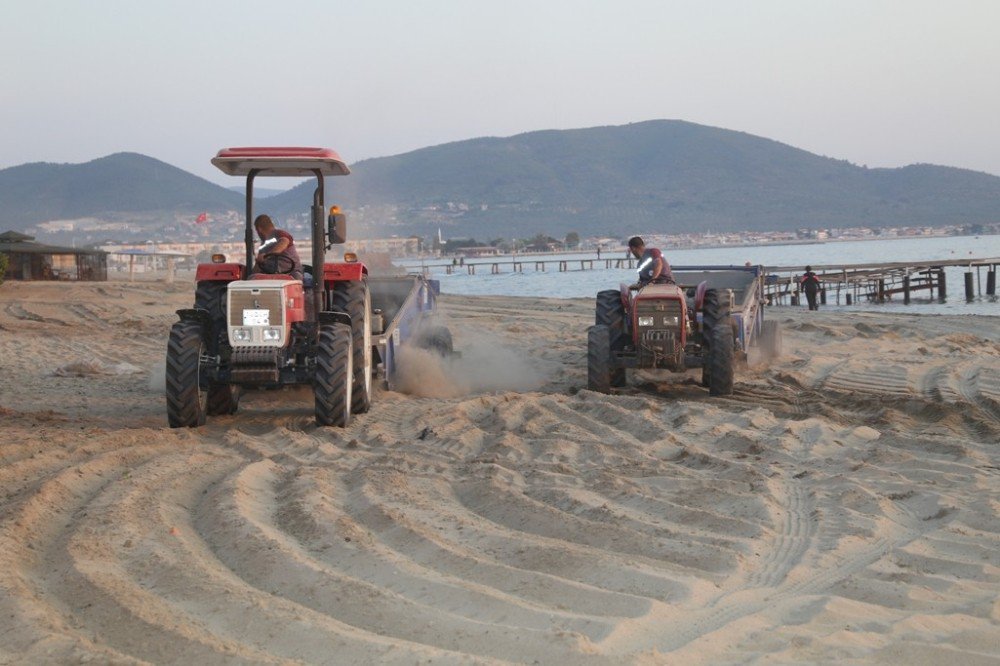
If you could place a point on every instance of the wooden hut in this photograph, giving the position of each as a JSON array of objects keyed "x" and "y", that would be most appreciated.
[{"x": 29, "y": 260}]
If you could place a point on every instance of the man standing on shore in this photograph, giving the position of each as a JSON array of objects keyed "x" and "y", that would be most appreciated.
[{"x": 810, "y": 285}]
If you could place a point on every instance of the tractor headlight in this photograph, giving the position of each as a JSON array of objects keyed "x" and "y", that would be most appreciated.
[
  {"x": 242, "y": 334},
  {"x": 671, "y": 321},
  {"x": 645, "y": 321},
  {"x": 271, "y": 334}
]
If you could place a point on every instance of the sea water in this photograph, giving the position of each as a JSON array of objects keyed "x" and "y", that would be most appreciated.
[{"x": 578, "y": 284}]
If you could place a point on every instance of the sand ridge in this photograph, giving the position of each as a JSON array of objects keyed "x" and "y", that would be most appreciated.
[{"x": 841, "y": 505}]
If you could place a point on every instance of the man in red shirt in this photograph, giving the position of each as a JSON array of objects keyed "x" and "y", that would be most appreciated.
[{"x": 653, "y": 267}]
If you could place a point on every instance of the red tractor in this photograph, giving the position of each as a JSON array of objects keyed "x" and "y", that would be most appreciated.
[
  {"x": 708, "y": 320},
  {"x": 270, "y": 330}
]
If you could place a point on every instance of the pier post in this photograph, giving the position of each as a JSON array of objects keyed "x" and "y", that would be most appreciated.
[
  {"x": 848, "y": 298},
  {"x": 970, "y": 291},
  {"x": 906, "y": 289},
  {"x": 822, "y": 296},
  {"x": 881, "y": 290},
  {"x": 991, "y": 281},
  {"x": 942, "y": 285}
]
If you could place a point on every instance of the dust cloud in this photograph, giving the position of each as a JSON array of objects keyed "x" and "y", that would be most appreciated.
[{"x": 484, "y": 365}]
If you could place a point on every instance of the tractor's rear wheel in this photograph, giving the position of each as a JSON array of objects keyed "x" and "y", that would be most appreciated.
[
  {"x": 718, "y": 332},
  {"x": 186, "y": 401},
  {"x": 721, "y": 359},
  {"x": 770, "y": 340},
  {"x": 211, "y": 297},
  {"x": 355, "y": 299},
  {"x": 223, "y": 399},
  {"x": 610, "y": 312},
  {"x": 599, "y": 358},
  {"x": 332, "y": 385}
]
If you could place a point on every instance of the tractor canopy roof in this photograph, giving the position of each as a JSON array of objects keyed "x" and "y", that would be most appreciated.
[{"x": 280, "y": 161}]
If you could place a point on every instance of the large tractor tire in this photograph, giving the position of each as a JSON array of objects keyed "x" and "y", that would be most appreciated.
[
  {"x": 355, "y": 299},
  {"x": 186, "y": 401},
  {"x": 211, "y": 296},
  {"x": 223, "y": 399},
  {"x": 718, "y": 330},
  {"x": 770, "y": 340},
  {"x": 333, "y": 383},
  {"x": 599, "y": 358},
  {"x": 610, "y": 312}
]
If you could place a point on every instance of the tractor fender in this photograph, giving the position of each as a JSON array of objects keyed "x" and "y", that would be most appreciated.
[
  {"x": 626, "y": 296},
  {"x": 327, "y": 317},
  {"x": 339, "y": 272},
  {"x": 219, "y": 272},
  {"x": 198, "y": 316},
  {"x": 699, "y": 295}
]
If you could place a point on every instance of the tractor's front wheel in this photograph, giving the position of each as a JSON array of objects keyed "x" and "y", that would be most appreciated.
[
  {"x": 186, "y": 401},
  {"x": 599, "y": 358},
  {"x": 334, "y": 376},
  {"x": 610, "y": 312}
]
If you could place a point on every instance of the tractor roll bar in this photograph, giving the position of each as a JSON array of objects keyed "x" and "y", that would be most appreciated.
[
  {"x": 317, "y": 218},
  {"x": 318, "y": 246}
]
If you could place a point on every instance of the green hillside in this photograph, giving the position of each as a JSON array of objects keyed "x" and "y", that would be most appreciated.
[
  {"x": 119, "y": 183},
  {"x": 659, "y": 175}
]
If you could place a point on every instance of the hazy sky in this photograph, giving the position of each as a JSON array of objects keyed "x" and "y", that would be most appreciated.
[{"x": 882, "y": 83}]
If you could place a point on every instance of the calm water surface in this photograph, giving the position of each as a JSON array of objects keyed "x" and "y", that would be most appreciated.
[{"x": 576, "y": 284}]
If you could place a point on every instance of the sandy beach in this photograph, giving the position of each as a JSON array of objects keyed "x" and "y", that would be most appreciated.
[{"x": 841, "y": 507}]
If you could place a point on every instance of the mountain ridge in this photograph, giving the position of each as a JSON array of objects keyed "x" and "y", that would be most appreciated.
[{"x": 662, "y": 176}]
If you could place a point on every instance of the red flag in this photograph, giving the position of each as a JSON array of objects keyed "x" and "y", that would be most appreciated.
[{"x": 201, "y": 218}]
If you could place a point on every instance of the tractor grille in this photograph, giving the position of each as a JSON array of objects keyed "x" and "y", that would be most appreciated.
[
  {"x": 660, "y": 309},
  {"x": 265, "y": 299},
  {"x": 255, "y": 364}
]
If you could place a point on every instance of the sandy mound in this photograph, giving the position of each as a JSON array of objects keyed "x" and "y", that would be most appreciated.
[{"x": 841, "y": 506}]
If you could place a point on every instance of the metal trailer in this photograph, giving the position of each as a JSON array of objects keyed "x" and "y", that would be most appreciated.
[
  {"x": 745, "y": 286},
  {"x": 407, "y": 306},
  {"x": 333, "y": 327}
]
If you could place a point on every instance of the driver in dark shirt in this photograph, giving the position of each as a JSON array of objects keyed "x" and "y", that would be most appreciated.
[
  {"x": 277, "y": 253},
  {"x": 653, "y": 267}
]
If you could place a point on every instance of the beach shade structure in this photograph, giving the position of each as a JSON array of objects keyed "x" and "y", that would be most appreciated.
[
  {"x": 30, "y": 260},
  {"x": 149, "y": 260}
]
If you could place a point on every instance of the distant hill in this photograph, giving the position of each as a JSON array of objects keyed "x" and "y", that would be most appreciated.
[
  {"x": 258, "y": 192},
  {"x": 658, "y": 176},
  {"x": 661, "y": 175},
  {"x": 107, "y": 187}
]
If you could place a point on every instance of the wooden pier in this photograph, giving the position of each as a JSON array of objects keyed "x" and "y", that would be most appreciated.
[
  {"x": 880, "y": 283},
  {"x": 843, "y": 283},
  {"x": 509, "y": 265}
]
